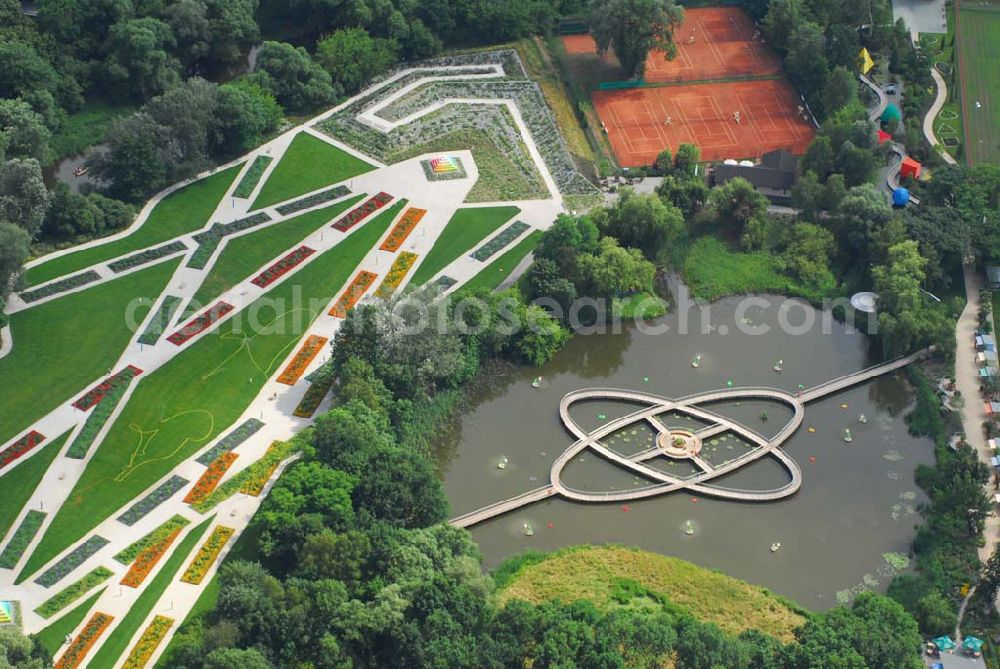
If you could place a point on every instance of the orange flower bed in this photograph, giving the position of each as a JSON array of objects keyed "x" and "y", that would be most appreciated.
[
  {"x": 148, "y": 643},
  {"x": 396, "y": 274},
  {"x": 211, "y": 477},
  {"x": 361, "y": 283},
  {"x": 91, "y": 632},
  {"x": 297, "y": 367},
  {"x": 403, "y": 229},
  {"x": 146, "y": 560},
  {"x": 207, "y": 554}
]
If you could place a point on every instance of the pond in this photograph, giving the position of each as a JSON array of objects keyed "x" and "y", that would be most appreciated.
[{"x": 856, "y": 504}]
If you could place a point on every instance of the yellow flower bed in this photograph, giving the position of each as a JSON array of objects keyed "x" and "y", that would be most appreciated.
[
  {"x": 396, "y": 274},
  {"x": 148, "y": 643},
  {"x": 207, "y": 554}
]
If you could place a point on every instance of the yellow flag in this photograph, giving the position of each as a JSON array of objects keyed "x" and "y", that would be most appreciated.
[{"x": 865, "y": 61}]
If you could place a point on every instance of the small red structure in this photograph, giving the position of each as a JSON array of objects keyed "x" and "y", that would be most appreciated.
[
  {"x": 910, "y": 168},
  {"x": 883, "y": 137}
]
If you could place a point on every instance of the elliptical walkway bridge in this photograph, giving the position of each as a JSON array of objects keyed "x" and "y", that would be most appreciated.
[{"x": 660, "y": 482}]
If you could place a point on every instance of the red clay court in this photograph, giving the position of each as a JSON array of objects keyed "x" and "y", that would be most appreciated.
[
  {"x": 643, "y": 121},
  {"x": 724, "y": 46}
]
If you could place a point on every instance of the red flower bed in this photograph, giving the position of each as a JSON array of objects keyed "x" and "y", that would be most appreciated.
[
  {"x": 20, "y": 447},
  {"x": 210, "y": 479},
  {"x": 282, "y": 267},
  {"x": 353, "y": 293},
  {"x": 403, "y": 229},
  {"x": 361, "y": 212},
  {"x": 200, "y": 323},
  {"x": 146, "y": 560},
  {"x": 97, "y": 393}
]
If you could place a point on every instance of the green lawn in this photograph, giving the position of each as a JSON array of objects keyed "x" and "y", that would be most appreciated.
[
  {"x": 498, "y": 270},
  {"x": 180, "y": 212},
  {"x": 245, "y": 255},
  {"x": 308, "y": 164},
  {"x": 81, "y": 130},
  {"x": 18, "y": 483},
  {"x": 54, "y": 636},
  {"x": 62, "y": 347},
  {"x": 113, "y": 650},
  {"x": 466, "y": 228},
  {"x": 979, "y": 45},
  {"x": 201, "y": 392}
]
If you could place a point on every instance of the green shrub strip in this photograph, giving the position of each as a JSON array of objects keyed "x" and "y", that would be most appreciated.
[
  {"x": 71, "y": 593},
  {"x": 138, "y": 511},
  {"x": 313, "y": 200},
  {"x": 77, "y": 556},
  {"x": 505, "y": 237},
  {"x": 22, "y": 536},
  {"x": 149, "y": 255},
  {"x": 209, "y": 240},
  {"x": 246, "y": 430},
  {"x": 158, "y": 324},
  {"x": 156, "y": 536},
  {"x": 280, "y": 451},
  {"x": 253, "y": 175},
  {"x": 98, "y": 417},
  {"x": 56, "y": 287}
]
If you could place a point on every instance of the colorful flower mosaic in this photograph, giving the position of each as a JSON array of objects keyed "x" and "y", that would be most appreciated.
[
  {"x": 358, "y": 286},
  {"x": 443, "y": 168},
  {"x": 297, "y": 367}
]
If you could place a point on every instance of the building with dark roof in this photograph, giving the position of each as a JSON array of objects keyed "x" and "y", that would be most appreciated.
[{"x": 774, "y": 176}]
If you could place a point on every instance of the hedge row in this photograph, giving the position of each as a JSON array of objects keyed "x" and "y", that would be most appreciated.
[
  {"x": 71, "y": 593},
  {"x": 158, "y": 324},
  {"x": 253, "y": 175},
  {"x": 312, "y": 200},
  {"x": 506, "y": 236},
  {"x": 138, "y": 511},
  {"x": 57, "y": 287},
  {"x": 77, "y": 556},
  {"x": 209, "y": 240},
  {"x": 96, "y": 420},
  {"x": 156, "y": 536},
  {"x": 149, "y": 255},
  {"x": 18, "y": 543},
  {"x": 246, "y": 430}
]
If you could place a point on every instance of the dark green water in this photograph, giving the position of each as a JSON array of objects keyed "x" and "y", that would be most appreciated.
[{"x": 857, "y": 500}]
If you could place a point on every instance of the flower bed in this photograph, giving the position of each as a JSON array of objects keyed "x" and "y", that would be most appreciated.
[
  {"x": 200, "y": 323},
  {"x": 20, "y": 447},
  {"x": 18, "y": 543},
  {"x": 147, "y": 644},
  {"x": 61, "y": 286},
  {"x": 402, "y": 229},
  {"x": 361, "y": 283},
  {"x": 155, "y": 537},
  {"x": 443, "y": 168},
  {"x": 312, "y": 200},
  {"x": 147, "y": 256},
  {"x": 361, "y": 212},
  {"x": 71, "y": 593},
  {"x": 445, "y": 282},
  {"x": 502, "y": 239},
  {"x": 297, "y": 367},
  {"x": 97, "y": 393},
  {"x": 251, "y": 480},
  {"x": 140, "y": 509},
  {"x": 396, "y": 274},
  {"x": 158, "y": 324},
  {"x": 247, "y": 429},
  {"x": 313, "y": 398},
  {"x": 98, "y": 418},
  {"x": 206, "y": 484},
  {"x": 282, "y": 267},
  {"x": 76, "y": 557},
  {"x": 207, "y": 554},
  {"x": 147, "y": 559},
  {"x": 209, "y": 240},
  {"x": 88, "y": 636},
  {"x": 249, "y": 181}
]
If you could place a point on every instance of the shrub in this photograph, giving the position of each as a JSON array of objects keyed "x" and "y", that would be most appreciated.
[
  {"x": 312, "y": 200},
  {"x": 76, "y": 557},
  {"x": 71, "y": 593},
  {"x": 505, "y": 237},
  {"x": 61, "y": 286},
  {"x": 18, "y": 543},
  {"x": 149, "y": 255},
  {"x": 140, "y": 509},
  {"x": 249, "y": 181}
]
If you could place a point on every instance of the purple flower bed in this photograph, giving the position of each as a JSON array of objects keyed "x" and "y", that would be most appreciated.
[
  {"x": 138, "y": 511},
  {"x": 246, "y": 430},
  {"x": 77, "y": 556}
]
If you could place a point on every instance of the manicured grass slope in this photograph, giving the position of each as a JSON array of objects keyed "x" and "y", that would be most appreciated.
[
  {"x": 979, "y": 41},
  {"x": 202, "y": 391},
  {"x": 308, "y": 163},
  {"x": 466, "y": 228},
  {"x": 18, "y": 483},
  {"x": 182, "y": 211},
  {"x": 62, "y": 347},
  {"x": 53, "y": 637},
  {"x": 114, "y": 649},
  {"x": 245, "y": 255},
  {"x": 498, "y": 270},
  {"x": 592, "y": 572}
]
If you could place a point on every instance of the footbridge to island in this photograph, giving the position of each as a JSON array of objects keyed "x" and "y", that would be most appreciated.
[{"x": 682, "y": 444}]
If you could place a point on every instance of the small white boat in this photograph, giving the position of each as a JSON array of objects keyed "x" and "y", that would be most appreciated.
[
  {"x": 688, "y": 528},
  {"x": 537, "y": 382},
  {"x": 776, "y": 546},
  {"x": 862, "y": 419},
  {"x": 847, "y": 436},
  {"x": 778, "y": 366},
  {"x": 696, "y": 363},
  {"x": 502, "y": 464},
  {"x": 528, "y": 530}
]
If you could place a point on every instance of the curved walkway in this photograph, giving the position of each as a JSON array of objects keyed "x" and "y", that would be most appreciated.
[{"x": 942, "y": 97}]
